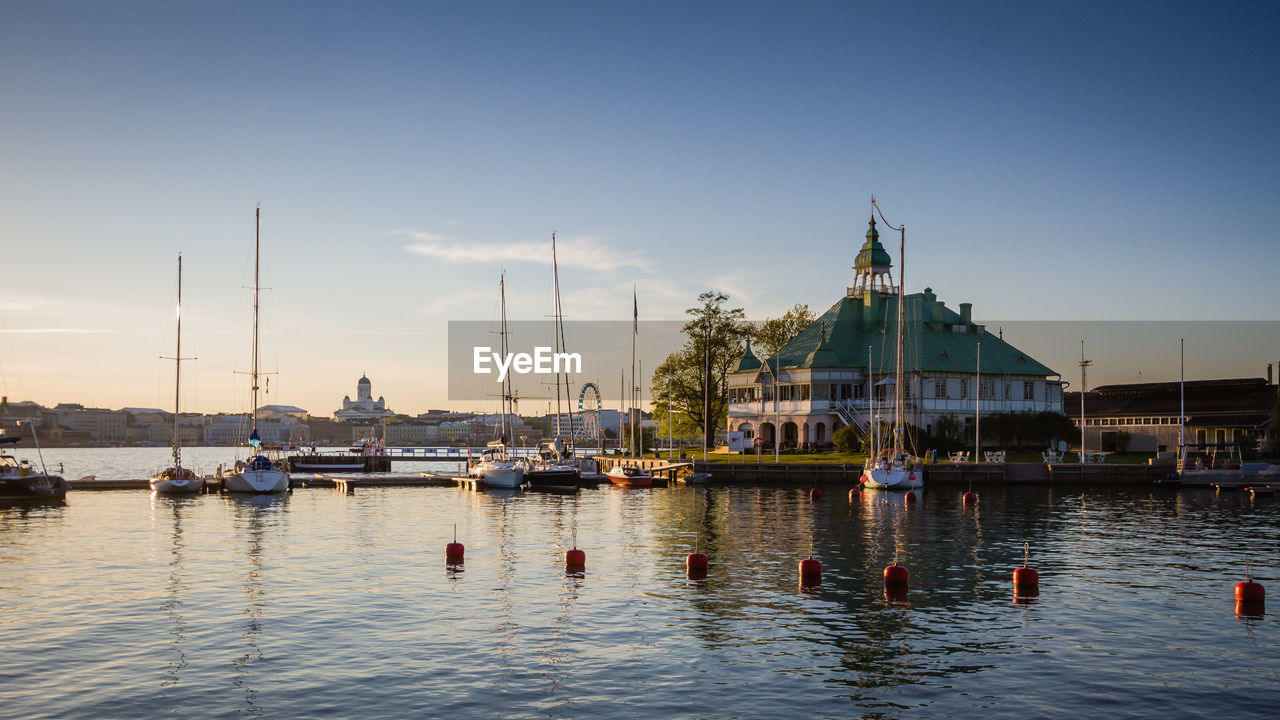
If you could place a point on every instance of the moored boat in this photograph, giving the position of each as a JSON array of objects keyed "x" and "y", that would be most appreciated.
[
  {"x": 176, "y": 479},
  {"x": 629, "y": 476},
  {"x": 20, "y": 481},
  {"x": 260, "y": 473}
]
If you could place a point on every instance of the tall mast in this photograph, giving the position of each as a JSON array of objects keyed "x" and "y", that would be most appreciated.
[
  {"x": 897, "y": 385},
  {"x": 177, "y": 373},
  {"x": 502, "y": 340},
  {"x": 256, "y": 240},
  {"x": 555, "y": 329},
  {"x": 635, "y": 328}
]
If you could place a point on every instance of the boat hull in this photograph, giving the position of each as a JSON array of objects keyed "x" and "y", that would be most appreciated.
[
  {"x": 33, "y": 487},
  {"x": 256, "y": 481},
  {"x": 554, "y": 478},
  {"x": 892, "y": 479},
  {"x": 620, "y": 478},
  {"x": 179, "y": 482},
  {"x": 499, "y": 477}
]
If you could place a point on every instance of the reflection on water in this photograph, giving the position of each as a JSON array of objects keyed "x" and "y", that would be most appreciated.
[
  {"x": 252, "y": 515},
  {"x": 173, "y": 604},
  {"x": 319, "y": 602}
]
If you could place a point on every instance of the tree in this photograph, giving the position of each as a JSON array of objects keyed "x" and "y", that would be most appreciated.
[
  {"x": 847, "y": 439},
  {"x": 1123, "y": 439},
  {"x": 773, "y": 333},
  {"x": 694, "y": 379}
]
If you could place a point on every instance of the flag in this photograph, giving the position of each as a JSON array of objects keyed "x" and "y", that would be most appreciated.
[{"x": 635, "y": 313}]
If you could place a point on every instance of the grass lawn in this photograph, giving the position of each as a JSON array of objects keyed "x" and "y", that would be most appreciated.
[{"x": 859, "y": 458}]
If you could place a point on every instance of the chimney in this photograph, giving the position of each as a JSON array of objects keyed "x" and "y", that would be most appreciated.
[
  {"x": 966, "y": 313},
  {"x": 937, "y": 311},
  {"x": 1268, "y": 373}
]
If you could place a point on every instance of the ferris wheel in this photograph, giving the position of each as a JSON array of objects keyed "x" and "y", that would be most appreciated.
[{"x": 589, "y": 410}]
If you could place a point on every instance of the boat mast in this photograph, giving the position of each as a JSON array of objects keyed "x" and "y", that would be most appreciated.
[
  {"x": 177, "y": 374},
  {"x": 257, "y": 213},
  {"x": 897, "y": 383},
  {"x": 502, "y": 341},
  {"x": 902, "y": 282},
  {"x": 635, "y": 328}
]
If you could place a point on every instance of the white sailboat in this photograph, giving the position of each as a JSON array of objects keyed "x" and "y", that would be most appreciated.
[
  {"x": 892, "y": 468},
  {"x": 495, "y": 467},
  {"x": 176, "y": 479},
  {"x": 258, "y": 474}
]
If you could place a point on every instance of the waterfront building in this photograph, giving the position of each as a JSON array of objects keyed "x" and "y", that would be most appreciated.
[
  {"x": 1144, "y": 416},
  {"x": 829, "y": 374},
  {"x": 282, "y": 413},
  {"x": 102, "y": 426},
  {"x": 364, "y": 407}
]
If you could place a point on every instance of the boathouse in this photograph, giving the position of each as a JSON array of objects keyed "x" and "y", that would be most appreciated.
[
  {"x": 837, "y": 369},
  {"x": 1144, "y": 416}
]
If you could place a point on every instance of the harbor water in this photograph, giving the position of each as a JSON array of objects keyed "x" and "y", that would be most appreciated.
[{"x": 323, "y": 604}]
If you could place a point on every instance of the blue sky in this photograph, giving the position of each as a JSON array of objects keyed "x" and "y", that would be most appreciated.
[{"x": 1078, "y": 161}]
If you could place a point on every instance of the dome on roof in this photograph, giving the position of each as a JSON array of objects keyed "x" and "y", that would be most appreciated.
[
  {"x": 872, "y": 253},
  {"x": 364, "y": 381},
  {"x": 748, "y": 361}
]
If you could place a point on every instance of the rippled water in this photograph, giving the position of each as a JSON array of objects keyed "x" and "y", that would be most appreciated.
[{"x": 321, "y": 604}]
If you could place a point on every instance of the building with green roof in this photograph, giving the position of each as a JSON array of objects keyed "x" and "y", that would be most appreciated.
[{"x": 828, "y": 374}]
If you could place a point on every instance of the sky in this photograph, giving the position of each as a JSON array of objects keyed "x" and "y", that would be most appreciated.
[{"x": 1051, "y": 162}]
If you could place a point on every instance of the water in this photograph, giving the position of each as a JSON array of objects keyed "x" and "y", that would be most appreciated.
[{"x": 321, "y": 604}]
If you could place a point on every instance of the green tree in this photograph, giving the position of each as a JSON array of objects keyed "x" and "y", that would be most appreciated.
[
  {"x": 1123, "y": 439},
  {"x": 694, "y": 379},
  {"x": 847, "y": 439},
  {"x": 773, "y": 333}
]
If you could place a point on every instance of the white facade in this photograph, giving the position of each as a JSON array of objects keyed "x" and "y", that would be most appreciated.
[{"x": 364, "y": 407}]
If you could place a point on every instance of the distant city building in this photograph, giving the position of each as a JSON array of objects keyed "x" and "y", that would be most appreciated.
[
  {"x": 364, "y": 407},
  {"x": 1217, "y": 411},
  {"x": 282, "y": 413},
  {"x": 825, "y": 377}
]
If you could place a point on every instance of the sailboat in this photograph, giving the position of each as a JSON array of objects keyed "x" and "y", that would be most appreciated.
[
  {"x": 632, "y": 475},
  {"x": 177, "y": 479},
  {"x": 891, "y": 468},
  {"x": 494, "y": 466},
  {"x": 556, "y": 465},
  {"x": 258, "y": 474}
]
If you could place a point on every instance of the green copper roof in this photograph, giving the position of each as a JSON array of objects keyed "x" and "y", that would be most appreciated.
[
  {"x": 842, "y": 335},
  {"x": 872, "y": 253},
  {"x": 748, "y": 361}
]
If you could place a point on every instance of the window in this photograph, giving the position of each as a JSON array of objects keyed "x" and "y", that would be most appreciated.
[
  {"x": 1028, "y": 390},
  {"x": 804, "y": 392},
  {"x": 940, "y": 387},
  {"x": 964, "y": 388}
]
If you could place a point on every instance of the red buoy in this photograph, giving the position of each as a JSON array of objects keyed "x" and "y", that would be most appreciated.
[
  {"x": 895, "y": 575},
  {"x": 910, "y": 497},
  {"x": 810, "y": 568},
  {"x": 453, "y": 551},
  {"x": 1025, "y": 577},
  {"x": 815, "y": 494},
  {"x": 1249, "y": 592},
  {"x": 695, "y": 561},
  {"x": 575, "y": 557},
  {"x": 969, "y": 498}
]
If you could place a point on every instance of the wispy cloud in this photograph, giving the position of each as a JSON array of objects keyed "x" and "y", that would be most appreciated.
[{"x": 578, "y": 251}]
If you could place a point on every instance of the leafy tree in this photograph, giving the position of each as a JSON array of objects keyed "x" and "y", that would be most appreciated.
[
  {"x": 1123, "y": 439},
  {"x": 776, "y": 332},
  {"x": 700, "y": 368},
  {"x": 847, "y": 439}
]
